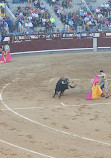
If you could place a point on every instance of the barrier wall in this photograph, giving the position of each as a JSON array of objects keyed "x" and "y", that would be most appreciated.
[
  {"x": 43, "y": 44},
  {"x": 104, "y": 42},
  {"x": 55, "y": 41}
]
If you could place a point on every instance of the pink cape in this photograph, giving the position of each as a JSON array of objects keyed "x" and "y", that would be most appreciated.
[
  {"x": 90, "y": 93},
  {"x": 2, "y": 59},
  {"x": 8, "y": 57},
  {"x": 95, "y": 79}
]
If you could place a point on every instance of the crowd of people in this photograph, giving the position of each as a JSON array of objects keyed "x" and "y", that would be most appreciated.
[
  {"x": 86, "y": 20},
  {"x": 82, "y": 20},
  {"x": 32, "y": 18},
  {"x": 3, "y": 1},
  {"x": 38, "y": 17},
  {"x": 63, "y": 3},
  {"x": 22, "y": 1},
  {"x": 5, "y": 22}
]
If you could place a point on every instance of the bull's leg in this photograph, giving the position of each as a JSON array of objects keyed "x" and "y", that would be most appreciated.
[
  {"x": 60, "y": 94},
  {"x": 55, "y": 93}
]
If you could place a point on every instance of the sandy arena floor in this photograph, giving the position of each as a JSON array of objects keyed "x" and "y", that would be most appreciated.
[{"x": 35, "y": 125}]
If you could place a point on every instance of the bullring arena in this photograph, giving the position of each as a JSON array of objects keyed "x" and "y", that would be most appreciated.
[{"x": 35, "y": 125}]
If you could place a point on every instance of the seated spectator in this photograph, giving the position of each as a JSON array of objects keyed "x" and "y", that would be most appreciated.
[
  {"x": 4, "y": 26},
  {"x": 100, "y": 16},
  {"x": 98, "y": 10},
  {"x": 52, "y": 20},
  {"x": 106, "y": 5},
  {"x": 42, "y": 5},
  {"x": 70, "y": 23},
  {"x": 37, "y": 3}
]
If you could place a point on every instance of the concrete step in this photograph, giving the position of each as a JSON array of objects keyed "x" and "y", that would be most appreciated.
[
  {"x": 77, "y": 4},
  {"x": 95, "y": 3},
  {"x": 13, "y": 6}
]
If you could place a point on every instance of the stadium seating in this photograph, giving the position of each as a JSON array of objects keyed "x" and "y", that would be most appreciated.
[
  {"x": 60, "y": 15},
  {"x": 5, "y": 22}
]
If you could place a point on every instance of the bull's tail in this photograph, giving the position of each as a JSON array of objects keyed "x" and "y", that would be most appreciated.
[{"x": 72, "y": 86}]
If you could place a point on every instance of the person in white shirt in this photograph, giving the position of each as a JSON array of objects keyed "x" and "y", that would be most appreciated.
[
  {"x": 70, "y": 23},
  {"x": 30, "y": 17},
  {"x": 21, "y": 14},
  {"x": 106, "y": 5},
  {"x": 86, "y": 19},
  {"x": 33, "y": 14},
  {"x": 98, "y": 10},
  {"x": 43, "y": 21},
  {"x": 30, "y": 24},
  {"x": 6, "y": 47},
  {"x": 100, "y": 15},
  {"x": 36, "y": 15},
  {"x": 26, "y": 24},
  {"x": 102, "y": 5}
]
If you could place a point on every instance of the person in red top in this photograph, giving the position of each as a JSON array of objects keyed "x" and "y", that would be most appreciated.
[
  {"x": 36, "y": 11},
  {"x": 106, "y": 22},
  {"x": 74, "y": 15}
]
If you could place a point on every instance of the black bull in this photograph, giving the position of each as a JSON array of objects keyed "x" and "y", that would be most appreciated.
[{"x": 61, "y": 87}]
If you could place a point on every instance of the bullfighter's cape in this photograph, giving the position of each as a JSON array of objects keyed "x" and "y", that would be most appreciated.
[
  {"x": 95, "y": 90},
  {"x": 2, "y": 59},
  {"x": 8, "y": 56}
]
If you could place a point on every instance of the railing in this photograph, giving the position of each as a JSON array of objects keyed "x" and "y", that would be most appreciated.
[
  {"x": 84, "y": 2},
  {"x": 53, "y": 36},
  {"x": 9, "y": 13},
  {"x": 12, "y": 17}
]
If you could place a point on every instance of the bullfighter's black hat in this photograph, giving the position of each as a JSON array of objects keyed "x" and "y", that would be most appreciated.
[{"x": 101, "y": 71}]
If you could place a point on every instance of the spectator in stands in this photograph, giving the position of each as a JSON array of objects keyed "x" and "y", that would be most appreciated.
[
  {"x": 100, "y": 16},
  {"x": 30, "y": 31},
  {"x": 15, "y": 32},
  {"x": 98, "y": 10},
  {"x": 52, "y": 20},
  {"x": 42, "y": 5},
  {"x": 37, "y": 3},
  {"x": 106, "y": 5},
  {"x": 107, "y": 24},
  {"x": 70, "y": 23},
  {"x": 2, "y": 9},
  {"x": 3, "y": 36}
]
